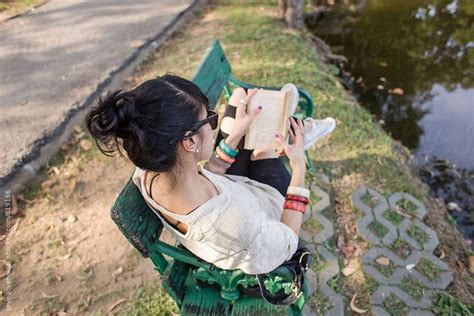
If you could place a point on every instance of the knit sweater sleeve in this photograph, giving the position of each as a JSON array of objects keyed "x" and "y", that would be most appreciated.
[{"x": 275, "y": 244}]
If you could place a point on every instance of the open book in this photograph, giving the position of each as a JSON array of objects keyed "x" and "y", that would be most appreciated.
[{"x": 273, "y": 119}]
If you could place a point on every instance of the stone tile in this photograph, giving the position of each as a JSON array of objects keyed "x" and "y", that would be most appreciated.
[
  {"x": 429, "y": 245},
  {"x": 328, "y": 230},
  {"x": 326, "y": 274},
  {"x": 384, "y": 291},
  {"x": 363, "y": 223},
  {"x": 325, "y": 201}
]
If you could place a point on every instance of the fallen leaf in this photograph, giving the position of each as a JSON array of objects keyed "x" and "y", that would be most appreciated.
[
  {"x": 382, "y": 261},
  {"x": 470, "y": 263},
  {"x": 340, "y": 241},
  {"x": 71, "y": 219},
  {"x": 49, "y": 296},
  {"x": 77, "y": 129},
  {"x": 56, "y": 170},
  {"x": 63, "y": 258},
  {"x": 358, "y": 251},
  {"x": 398, "y": 91},
  {"x": 453, "y": 207},
  {"x": 442, "y": 254},
  {"x": 117, "y": 272},
  {"x": 397, "y": 209},
  {"x": 5, "y": 268},
  {"x": 85, "y": 144},
  {"x": 47, "y": 184},
  {"x": 350, "y": 268},
  {"x": 355, "y": 308},
  {"x": 383, "y": 64},
  {"x": 14, "y": 228},
  {"x": 114, "y": 305}
]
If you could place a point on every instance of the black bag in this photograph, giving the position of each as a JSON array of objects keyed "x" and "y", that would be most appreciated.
[{"x": 297, "y": 265}]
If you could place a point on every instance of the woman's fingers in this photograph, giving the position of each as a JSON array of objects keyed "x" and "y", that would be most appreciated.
[
  {"x": 281, "y": 141},
  {"x": 251, "y": 93},
  {"x": 256, "y": 112},
  {"x": 300, "y": 124},
  {"x": 295, "y": 125}
]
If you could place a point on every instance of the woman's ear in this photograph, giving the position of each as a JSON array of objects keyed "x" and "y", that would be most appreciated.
[{"x": 190, "y": 144}]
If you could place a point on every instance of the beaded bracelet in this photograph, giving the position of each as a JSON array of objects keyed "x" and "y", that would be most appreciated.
[
  {"x": 227, "y": 150},
  {"x": 298, "y": 198},
  {"x": 295, "y": 205},
  {"x": 223, "y": 156},
  {"x": 217, "y": 161},
  {"x": 296, "y": 190}
]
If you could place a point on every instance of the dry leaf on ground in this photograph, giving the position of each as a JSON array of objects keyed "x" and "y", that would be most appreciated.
[
  {"x": 382, "y": 261},
  {"x": 85, "y": 144},
  {"x": 356, "y": 309}
]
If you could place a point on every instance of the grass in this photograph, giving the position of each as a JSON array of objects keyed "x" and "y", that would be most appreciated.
[
  {"x": 15, "y": 6},
  {"x": 446, "y": 304},
  {"x": 428, "y": 269},
  {"x": 394, "y": 306},
  {"x": 401, "y": 248},
  {"x": 151, "y": 300},
  {"x": 320, "y": 303},
  {"x": 378, "y": 229},
  {"x": 386, "y": 270},
  {"x": 413, "y": 288},
  {"x": 393, "y": 217},
  {"x": 417, "y": 234},
  {"x": 370, "y": 200},
  {"x": 408, "y": 206},
  {"x": 314, "y": 224}
]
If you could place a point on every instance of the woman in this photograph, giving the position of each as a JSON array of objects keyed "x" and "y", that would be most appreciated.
[{"x": 235, "y": 221}]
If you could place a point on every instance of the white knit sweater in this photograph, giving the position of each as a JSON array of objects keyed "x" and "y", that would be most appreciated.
[{"x": 239, "y": 228}]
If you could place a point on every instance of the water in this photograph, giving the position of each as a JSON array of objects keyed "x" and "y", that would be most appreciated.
[{"x": 411, "y": 63}]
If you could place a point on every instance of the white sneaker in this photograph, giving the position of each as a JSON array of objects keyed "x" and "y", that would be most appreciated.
[
  {"x": 319, "y": 129},
  {"x": 294, "y": 95}
]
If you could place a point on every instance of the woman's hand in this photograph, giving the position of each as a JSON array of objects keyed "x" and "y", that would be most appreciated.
[
  {"x": 242, "y": 117},
  {"x": 295, "y": 151}
]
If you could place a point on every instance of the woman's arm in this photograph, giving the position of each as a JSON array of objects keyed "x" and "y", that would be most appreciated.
[
  {"x": 217, "y": 165},
  {"x": 289, "y": 217}
]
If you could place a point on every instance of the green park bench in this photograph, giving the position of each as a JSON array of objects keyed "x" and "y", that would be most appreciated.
[{"x": 198, "y": 287}]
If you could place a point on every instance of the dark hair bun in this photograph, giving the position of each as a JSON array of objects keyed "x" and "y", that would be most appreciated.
[
  {"x": 109, "y": 119},
  {"x": 149, "y": 119}
]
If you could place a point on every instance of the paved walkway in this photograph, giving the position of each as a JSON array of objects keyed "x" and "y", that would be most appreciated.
[
  {"x": 52, "y": 60},
  {"x": 400, "y": 259}
]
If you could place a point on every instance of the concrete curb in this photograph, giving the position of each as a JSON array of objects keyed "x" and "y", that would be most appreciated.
[{"x": 45, "y": 148}]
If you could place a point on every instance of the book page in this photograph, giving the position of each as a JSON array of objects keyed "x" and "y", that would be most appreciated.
[{"x": 273, "y": 119}]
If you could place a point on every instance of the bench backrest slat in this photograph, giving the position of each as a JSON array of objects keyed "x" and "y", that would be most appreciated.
[
  {"x": 213, "y": 73},
  {"x": 135, "y": 219}
]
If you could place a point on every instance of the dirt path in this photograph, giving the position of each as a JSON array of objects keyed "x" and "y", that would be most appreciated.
[{"x": 67, "y": 254}]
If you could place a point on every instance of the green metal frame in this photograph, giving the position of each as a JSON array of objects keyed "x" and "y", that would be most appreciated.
[{"x": 198, "y": 287}]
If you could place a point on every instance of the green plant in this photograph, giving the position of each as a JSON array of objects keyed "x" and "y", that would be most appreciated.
[{"x": 446, "y": 304}]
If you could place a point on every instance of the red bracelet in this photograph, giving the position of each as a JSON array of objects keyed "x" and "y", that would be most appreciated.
[
  {"x": 295, "y": 205},
  {"x": 298, "y": 198}
]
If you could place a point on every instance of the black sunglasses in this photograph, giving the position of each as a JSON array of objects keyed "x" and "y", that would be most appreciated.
[{"x": 212, "y": 118}]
